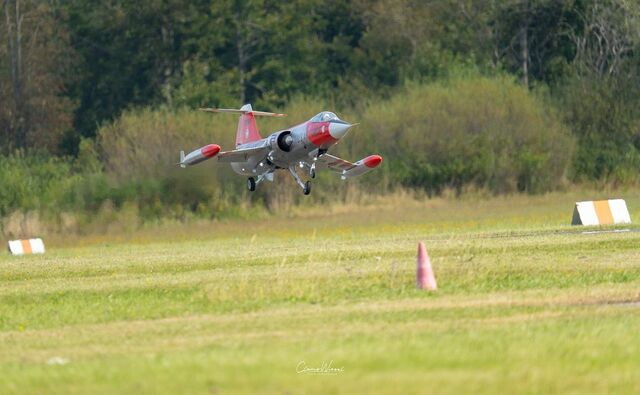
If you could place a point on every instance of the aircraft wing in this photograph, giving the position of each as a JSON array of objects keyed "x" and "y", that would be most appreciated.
[
  {"x": 334, "y": 163},
  {"x": 346, "y": 168},
  {"x": 242, "y": 154}
]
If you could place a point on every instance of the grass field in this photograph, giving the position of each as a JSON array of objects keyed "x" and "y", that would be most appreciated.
[{"x": 526, "y": 304}]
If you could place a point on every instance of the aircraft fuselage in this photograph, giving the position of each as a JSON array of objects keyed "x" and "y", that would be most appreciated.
[{"x": 306, "y": 141}]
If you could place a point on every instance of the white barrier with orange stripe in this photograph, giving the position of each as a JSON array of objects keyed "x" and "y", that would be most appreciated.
[
  {"x": 601, "y": 212},
  {"x": 25, "y": 247}
]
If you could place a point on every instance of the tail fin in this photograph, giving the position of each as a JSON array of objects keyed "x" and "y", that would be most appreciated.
[
  {"x": 181, "y": 159},
  {"x": 247, "y": 127}
]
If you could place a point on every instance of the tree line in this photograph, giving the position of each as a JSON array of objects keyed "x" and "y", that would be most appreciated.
[{"x": 69, "y": 68}]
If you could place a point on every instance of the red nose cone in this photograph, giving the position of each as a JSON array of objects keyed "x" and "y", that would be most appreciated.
[
  {"x": 372, "y": 161},
  {"x": 210, "y": 150}
]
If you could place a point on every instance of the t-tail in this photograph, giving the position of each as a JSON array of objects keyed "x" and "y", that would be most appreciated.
[{"x": 247, "y": 128}]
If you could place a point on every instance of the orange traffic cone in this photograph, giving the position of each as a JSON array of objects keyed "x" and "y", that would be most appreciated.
[{"x": 425, "y": 278}]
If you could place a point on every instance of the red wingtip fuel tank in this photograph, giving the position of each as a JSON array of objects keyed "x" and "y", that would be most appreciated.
[
  {"x": 210, "y": 150},
  {"x": 199, "y": 155},
  {"x": 363, "y": 166},
  {"x": 372, "y": 161}
]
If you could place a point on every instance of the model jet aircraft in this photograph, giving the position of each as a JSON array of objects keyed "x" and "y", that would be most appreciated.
[{"x": 303, "y": 146}]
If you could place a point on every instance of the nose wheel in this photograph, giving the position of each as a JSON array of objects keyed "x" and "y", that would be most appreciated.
[
  {"x": 306, "y": 186},
  {"x": 251, "y": 184}
]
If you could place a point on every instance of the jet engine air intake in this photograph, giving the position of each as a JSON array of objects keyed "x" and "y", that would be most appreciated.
[{"x": 284, "y": 141}]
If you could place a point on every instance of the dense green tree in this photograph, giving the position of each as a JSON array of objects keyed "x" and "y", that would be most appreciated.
[
  {"x": 34, "y": 62},
  {"x": 130, "y": 53},
  {"x": 532, "y": 39},
  {"x": 266, "y": 51},
  {"x": 72, "y": 66},
  {"x": 601, "y": 99}
]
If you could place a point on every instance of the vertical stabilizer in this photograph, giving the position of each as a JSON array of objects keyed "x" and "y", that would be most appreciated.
[{"x": 247, "y": 127}]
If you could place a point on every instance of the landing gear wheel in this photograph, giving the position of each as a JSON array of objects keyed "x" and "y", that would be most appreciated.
[
  {"x": 251, "y": 184},
  {"x": 312, "y": 172},
  {"x": 307, "y": 188}
]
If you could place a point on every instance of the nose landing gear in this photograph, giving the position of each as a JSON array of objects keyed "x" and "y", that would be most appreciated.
[{"x": 306, "y": 186}]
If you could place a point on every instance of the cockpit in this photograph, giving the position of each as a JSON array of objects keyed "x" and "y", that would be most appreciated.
[{"x": 325, "y": 116}]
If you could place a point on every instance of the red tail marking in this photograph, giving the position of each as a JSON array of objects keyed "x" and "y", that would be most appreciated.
[{"x": 247, "y": 129}]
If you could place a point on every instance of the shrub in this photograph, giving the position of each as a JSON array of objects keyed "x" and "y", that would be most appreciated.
[
  {"x": 605, "y": 116},
  {"x": 470, "y": 132},
  {"x": 33, "y": 182}
]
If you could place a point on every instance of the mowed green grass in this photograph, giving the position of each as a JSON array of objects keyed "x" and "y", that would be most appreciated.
[{"x": 526, "y": 304}]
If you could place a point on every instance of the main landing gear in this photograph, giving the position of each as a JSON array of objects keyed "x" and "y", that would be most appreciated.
[
  {"x": 253, "y": 182},
  {"x": 306, "y": 186}
]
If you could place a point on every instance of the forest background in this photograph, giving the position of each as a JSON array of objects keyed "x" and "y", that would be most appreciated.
[{"x": 460, "y": 97}]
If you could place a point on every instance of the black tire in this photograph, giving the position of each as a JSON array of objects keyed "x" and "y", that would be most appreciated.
[
  {"x": 312, "y": 173},
  {"x": 251, "y": 184},
  {"x": 307, "y": 188}
]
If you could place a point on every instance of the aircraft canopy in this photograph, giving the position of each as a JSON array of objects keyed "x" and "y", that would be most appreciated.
[{"x": 325, "y": 116}]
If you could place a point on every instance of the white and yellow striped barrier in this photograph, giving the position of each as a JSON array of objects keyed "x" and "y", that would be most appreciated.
[
  {"x": 26, "y": 247},
  {"x": 601, "y": 212}
]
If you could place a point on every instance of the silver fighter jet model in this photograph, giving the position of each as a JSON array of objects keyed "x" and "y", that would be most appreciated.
[{"x": 303, "y": 147}]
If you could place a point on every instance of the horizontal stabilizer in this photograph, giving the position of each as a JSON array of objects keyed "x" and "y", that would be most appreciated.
[{"x": 245, "y": 111}]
